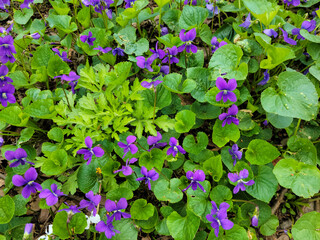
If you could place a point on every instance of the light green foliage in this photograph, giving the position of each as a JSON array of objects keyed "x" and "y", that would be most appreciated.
[
  {"x": 168, "y": 191},
  {"x": 307, "y": 225},
  {"x": 7, "y": 209},
  {"x": 261, "y": 152},
  {"x": 222, "y": 135},
  {"x": 141, "y": 210}
]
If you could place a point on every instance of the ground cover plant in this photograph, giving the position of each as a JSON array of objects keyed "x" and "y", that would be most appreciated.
[{"x": 159, "y": 119}]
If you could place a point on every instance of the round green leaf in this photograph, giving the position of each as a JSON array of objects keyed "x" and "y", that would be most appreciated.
[
  {"x": 56, "y": 163},
  {"x": 261, "y": 152},
  {"x": 56, "y": 134},
  {"x": 116, "y": 194},
  {"x": 303, "y": 179},
  {"x": 88, "y": 178},
  {"x": 245, "y": 121},
  {"x": 265, "y": 185},
  {"x": 222, "y": 135},
  {"x": 309, "y": 36},
  {"x": 154, "y": 158},
  {"x": 7, "y": 208},
  {"x": 304, "y": 150},
  {"x": 307, "y": 227},
  {"x": 191, "y": 146},
  {"x": 165, "y": 191},
  {"x": 205, "y": 110},
  {"x": 296, "y": 97},
  {"x": 185, "y": 119},
  {"x": 22, "y": 17},
  {"x": 192, "y": 17},
  {"x": 270, "y": 227},
  {"x": 141, "y": 210},
  {"x": 126, "y": 228},
  {"x": 173, "y": 83},
  {"x": 279, "y": 121},
  {"x": 183, "y": 228},
  {"x": 78, "y": 223},
  {"x": 60, "y": 225},
  {"x": 213, "y": 167},
  {"x": 220, "y": 194}
]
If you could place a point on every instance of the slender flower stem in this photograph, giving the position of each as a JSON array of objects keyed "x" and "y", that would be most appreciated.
[
  {"x": 66, "y": 98},
  {"x": 297, "y": 128},
  {"x": 155, "y": 103},
  {"x": 94, "y": 234},
  {"x": 141, "y": 146}
]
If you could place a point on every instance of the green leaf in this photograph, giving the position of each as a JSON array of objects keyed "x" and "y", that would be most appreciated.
[
  {"x": 163, "y": 97},
  {"x": 205, "y": 110},
  {"x": 84, "y": 17},
  {"x": 43, "y": 108},
  {"x": 185, "y": 119},
  {"x": 279, "y": 121},
  {"x": 220, "y": 194},
  {"x": 41, "y": 56},
  {"x": 270, "y": 227},
  {"x": 25, "y": 135},
  {"x": 161, "y": 3},
  {"x": 307, "y": 227},
  {"x": 14, "y": 116},
  {"x": 226, "y": 60},
  {"x": 60, "y": 7},
  {"x": 303, "y": 179},
  {"x": 304, "y": 150},
  {"x": 60, "y": 225},
  {"x": 309, "y": 36},
  {"x": 62, "y": 22},
  {"x": 262, "y": 9},
  {"x": 265, "y": 185},
  {"x": 57, "y": 66},
  {"x": 56, "y": 134},
  {"x": 191, "y": 146},
  {"x": 260, "y": 152},
  {"x": 236, "y": 232},
  {"x": 20, "y": 79},
  {"x": 245, "y": 121},
  {"x": 78, "y": 223},
  {"x": 20, "y": 205},
  {"x": 222, "y": 135},
  {"x": 154, "y": 158},
  {"x": 121, "y": 192},
  {"x": 88, "y": 178},
  {"x": 126, "y": 228},
  {"x": 56, "y": 163},
  {"x": 22, "y": 17},
  {"x": 183, "y": 228},
  {"x": 141, "y": 210},
  {"x": 315, "y": 71},
  {"x": 173, "y": 83},
  {"x": 131, "y": 12},
  {"x": 165, "y": 123},
  {"x": 7, "y": 208},
  {"x": 213, "y": 167},
  {"x": 192, "y": 17},
  {"x": 202, "y": 77},
  {"x": 165, "y": 191},
  {"x": 276, "y": 56},
  {"x": 289, "y": 100}
]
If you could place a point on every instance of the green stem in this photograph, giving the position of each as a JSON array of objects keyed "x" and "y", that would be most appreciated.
[
  {"x": 66, "y": 98},
  {"x": 138, "y": 26},
  {"x": 154, "y": 105},
  {"x": 94, "y": 234},
  {"x": 297, "y": 128},
  {"x": 9, "y": 134}
]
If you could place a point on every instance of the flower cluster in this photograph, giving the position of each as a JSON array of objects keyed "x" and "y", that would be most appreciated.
[{"x": 100, "y": 6}]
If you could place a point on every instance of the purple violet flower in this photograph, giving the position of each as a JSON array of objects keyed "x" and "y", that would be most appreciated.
[
  {"x": 238, "y": 178},
  {"x": 7, "y": 49},
  {"x": 96, "y": 151},
  {"x": 93, "y": 202},
  {"x": 211, "y": 8},
  {"x": 26, "y": 4},
  {"x": 314, "y": 14},
  {"x": 265, "y": 78},
  {"x": 235, "y": 153},
  {"x": 154, "y": 141},
  {"x": 293, "y": 2},
  {"x": 35, "y": 35},
  {"x": 118, "y": 51},
  {"x": 52, "y": 195},
  {"x": 142, "y": 62},
  {"x": 188, "y": 38},
  {"x": 226, "y": 90},
  {"x": 114, "y": 207},
  {"x": 195, "y": 177},
  {"x": 229, "y": 117},
  {"x": 72, "y": 79},
  {"x": 265, "y": 123},
  {"x": 130, "y": 146},
  {"x": 194, "y": 2},
  {"x": 20, "y": 155},
  {"x": 171, "y": 52},
  {"x": 157, "y": 53},
  {"x": 174, "y": 147},
  {"x": 29, "y": 181},
  {"x": 1, "y": 141},
  {"x": 127, "y": 170},
  {"x": 246, "y": 24},
  {"x": 6, "y": 94},
  {"x": 216, "y": 44},
  {"x": 27, "y": 230},
  {"x": 151, "y": 175},
  {"x": 2, "y": 29},
  {"x": 129, "y": 3},
  {"x": 73, "y": 209},
  {"x": 287, "y": 39},
  {"x": 3, "y": 79},
  {"x": 218, "y": 217},
  {"x": 89, "y": 39},
  {"x": 4, "y": 4},
  {"x": 309, "y": 25},
  {"x": 270, "y": 32},
  {"x": 254, "y": 221},
  {"x": 103, "y": 50},
  {"x": 107, "y": 227},
  {"x": 164, "y": 31},
  {"x": 63, "y": 56},
  {"x": 151, "y": 84}
]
